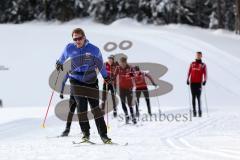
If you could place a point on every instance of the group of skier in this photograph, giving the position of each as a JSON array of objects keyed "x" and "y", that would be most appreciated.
[
  {"x": 86, "y": 61},
  {"x": 124, "y": 78}
]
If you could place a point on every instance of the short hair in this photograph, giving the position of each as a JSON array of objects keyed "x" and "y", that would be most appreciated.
[
  {"x": 111, "y": 57},
  {"x": 137, "y": 68},
  {"x": 123, "y": 59},
  {"x": 78, "y": 31},
  {"x": 199, "y": 52}
]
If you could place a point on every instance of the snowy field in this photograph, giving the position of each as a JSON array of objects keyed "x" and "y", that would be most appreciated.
[{"x": 30, "y": 51}]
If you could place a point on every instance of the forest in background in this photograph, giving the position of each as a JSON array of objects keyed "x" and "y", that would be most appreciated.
[{"x": 214, "y": 14}]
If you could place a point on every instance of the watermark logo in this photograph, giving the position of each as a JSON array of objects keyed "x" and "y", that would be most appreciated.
[{"x": 62, "y": 108}]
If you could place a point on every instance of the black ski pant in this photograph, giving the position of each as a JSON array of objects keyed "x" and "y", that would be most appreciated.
[
  {"x": 113, "y": 94},
  {"x": 127, "y": 94},
  {"x": 196, "y": 89},
  {"x": 85, "y": 93},
  {"x": 72, "y": 107},
  {"x": 145, "y": 92}
]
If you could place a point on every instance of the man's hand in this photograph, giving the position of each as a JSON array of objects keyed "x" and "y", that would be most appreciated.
[
  {"x": 61, "y": 96},
  {"x": 59, "y": 66},
  {"x": 188, "y": 82},
  {"x": 204, "y": 83}
]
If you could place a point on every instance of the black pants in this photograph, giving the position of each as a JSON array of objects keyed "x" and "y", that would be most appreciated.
[
  {"x": 127, "y": 94},
  {"x": 112, "y": 89},
  {"x": 85, "y": 93},
  {"x": 146, "y": 95},
  {"x": 72, "y": 107},
  {"x": 196, "y": 89}
]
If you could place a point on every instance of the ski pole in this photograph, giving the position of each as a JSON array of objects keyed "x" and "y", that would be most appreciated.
[
  {"x": 159, "y": 108},
  {"x": 108, "y": 126},
  {"x": 50, "y": 101},
  {"x": 205, "y": 95}
]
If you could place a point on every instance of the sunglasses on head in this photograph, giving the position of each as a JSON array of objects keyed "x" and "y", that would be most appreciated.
[{"x": 78, "y": 38}]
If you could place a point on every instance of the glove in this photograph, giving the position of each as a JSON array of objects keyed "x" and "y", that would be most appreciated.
[
  {"x": 61, "y": 96},
  {"x": 155, "y": 85},
  {"x": 59, "y": 66},
  {"x": 188, "y": 82},
  {"x": 204, "y": 83},
  {"x": 108, "y": 80}
]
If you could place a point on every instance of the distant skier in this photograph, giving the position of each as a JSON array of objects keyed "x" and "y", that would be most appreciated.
[
  {"x": 197, "y": 76},
  {"x": 1, "y": 105},
  {"x": 111, "y": 67},
  {"x": 141, "y": 87},
  {"x": 72, "y": 107},
  {"x": 85, "y": 59},
  {"x": 125, "y": 83}
]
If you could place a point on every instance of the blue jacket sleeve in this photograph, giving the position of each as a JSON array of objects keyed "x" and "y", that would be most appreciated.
[
  {"x": 99, "y": 63},
  {"x": 64, "y": 55}
]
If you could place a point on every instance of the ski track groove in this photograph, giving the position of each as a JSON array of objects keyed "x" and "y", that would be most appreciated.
[
  {"x": 179, "y": 143},
  {"x": 208, "y": 151}
]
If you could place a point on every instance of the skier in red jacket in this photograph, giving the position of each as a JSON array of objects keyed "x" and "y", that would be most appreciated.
[
  {"x": 141, "y": 87},
  {"x": 197, "y": 76},
  {"x": 124, "y": 72},
  {"x": 110, "y": 67}
]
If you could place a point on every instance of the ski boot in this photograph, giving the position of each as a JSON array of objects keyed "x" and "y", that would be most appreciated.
[
  {"x": 65, "y": 132},
  {"x": 86, "y": 136},
  {"x": 134, "y": 120},
  {"x": 127, "y": 118},
  {"x": 150, "y": 114},
  {"x": 199, "y": 113},
  {"x": 114, "y": 114},
  {"x": 137, "y": 114},
  {"x": 194, "y": 113},
  {"x": 106, "y": 139}
]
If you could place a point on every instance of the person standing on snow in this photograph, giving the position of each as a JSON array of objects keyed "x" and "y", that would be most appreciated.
[
  {"x": 85, "y": 59},
  {"x": 141, "y": 87},
  {"x": 197, "y": 76},
  {"x": 110, "y": 67},
  {"x": 125, "y": 83}
]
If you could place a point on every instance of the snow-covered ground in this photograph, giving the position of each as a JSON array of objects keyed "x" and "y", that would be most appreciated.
[{"x": 30, "y": 51}]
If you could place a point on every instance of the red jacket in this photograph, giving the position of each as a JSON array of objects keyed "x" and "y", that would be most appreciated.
[
  {"x": 111, "y": 69},
  {"x": 125, "y": 77},
  {"x": 140, "y": 81},
  {"x": 197, "y": 72}
]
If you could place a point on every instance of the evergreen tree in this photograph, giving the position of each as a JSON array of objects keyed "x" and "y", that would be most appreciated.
[{"x": 237, "y": 16}]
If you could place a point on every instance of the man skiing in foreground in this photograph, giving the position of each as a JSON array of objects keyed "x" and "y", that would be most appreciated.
[
  {"x": 85, "y": 60},
  {"x": 197, "y": 76}
]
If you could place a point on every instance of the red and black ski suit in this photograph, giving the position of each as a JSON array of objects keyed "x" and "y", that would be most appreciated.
[
  {"x": 197, "y": 75},
  {"x": 141, "y": 87},
  {"x": 111, "y": 69},
  {"x": 125, "y": 85}
]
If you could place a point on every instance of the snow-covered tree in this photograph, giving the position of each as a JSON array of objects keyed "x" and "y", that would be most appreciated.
[
  {"x": 237, "y": 17},
  {"x": 203, "y": 13}
]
